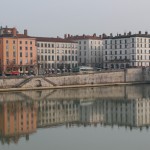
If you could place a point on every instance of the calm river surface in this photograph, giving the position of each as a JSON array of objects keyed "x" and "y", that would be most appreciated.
[{"x": 106, "y": 118}]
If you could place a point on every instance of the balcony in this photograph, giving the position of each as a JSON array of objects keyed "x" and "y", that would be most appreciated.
[{"x": 119, "y": 60}]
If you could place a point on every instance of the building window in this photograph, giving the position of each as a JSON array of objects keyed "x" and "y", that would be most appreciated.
[
  {"x": 20, "y": 63},
  {"x": 7, "y": 54},
  {"x": 52, "y": 58},
  {"x": 14, "y": 47},
  {"x": 132, "y": 57},
  {"x": 31, "y": 55},
  {"x": 62, "y": 58},
  {"x": 65, "y": 58},
  {"x": 45, "y": 57},
  {"x": 72, "y": 58},
  {"x": 76, "y": 58},
  {"x": 132, "y": 45},
  {"x": 20, "y": 54},
  {"x": 48, "y": 58},
  {"x": 41, "y": 57},
  {"x": 14, "y": 54}
]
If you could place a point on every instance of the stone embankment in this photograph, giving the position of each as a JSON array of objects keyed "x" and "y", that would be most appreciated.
[{"x": 128, "y": 76}]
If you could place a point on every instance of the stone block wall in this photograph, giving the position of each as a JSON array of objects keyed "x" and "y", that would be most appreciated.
[{"x": 129, "y": 75}]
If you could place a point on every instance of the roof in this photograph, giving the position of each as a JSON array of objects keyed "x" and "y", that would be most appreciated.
[
  {"x": 23, "y": 36},
  {"x": 127, "y": 36},
  {"x": 17, "y": 36},
  {"x": 51, "y": 39},
  {"x": 84, "y": 37}
]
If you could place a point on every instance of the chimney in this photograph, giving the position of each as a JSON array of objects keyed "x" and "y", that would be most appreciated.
[
  {"x": 68, "y": 35},
  {"x": 84, "y": 35},
  {"x": 130, "y": 33},
  {"x": 124, "y": 33},
  {"x": 100, "y": 36},
  {"x": 139, "y": 32},
  {"x": 146, "y": 33},
  {"x": 65, "y": 36},
  {"x": 111, "y": 35},
  {"x": 26, "y": 32},
  {"x": 94, "y": 35},
  {"x": 14, "y": 31},
  {"x": 104, "y": 35}
]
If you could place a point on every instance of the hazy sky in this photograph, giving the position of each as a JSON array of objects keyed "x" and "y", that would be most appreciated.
[{"x": 57, "y": 17}]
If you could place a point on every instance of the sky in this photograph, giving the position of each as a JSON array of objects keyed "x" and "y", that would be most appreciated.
[{"x": 53, "y": 18}]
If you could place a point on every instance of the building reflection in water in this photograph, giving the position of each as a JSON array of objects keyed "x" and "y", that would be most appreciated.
[
  {"x": 23, "y": 112},
  {"x": 17, "y": 119}
]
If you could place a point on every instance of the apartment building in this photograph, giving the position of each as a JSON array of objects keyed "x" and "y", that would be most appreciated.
[
  {"x": 128, "y": 50},
  {"x": 56, "y": 54},
  {"x": 17, "y": 52},
  {"x": 90, "y": 49}
]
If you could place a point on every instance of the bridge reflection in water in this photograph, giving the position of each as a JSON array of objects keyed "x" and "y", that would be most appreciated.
[{"x": 21, "y": 113}]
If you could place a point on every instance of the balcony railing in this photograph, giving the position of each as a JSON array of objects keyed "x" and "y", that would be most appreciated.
[{"x": 120, "y": 60}]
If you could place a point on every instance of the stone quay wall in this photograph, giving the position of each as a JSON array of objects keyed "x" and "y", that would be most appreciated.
[{"x": 106, "y": 77}]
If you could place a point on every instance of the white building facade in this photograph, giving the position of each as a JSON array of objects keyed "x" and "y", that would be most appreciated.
[
  {"x": 56, "y": 53},
  {"x": 89, "y": 49},
  {"x": 128, "y": 50}
]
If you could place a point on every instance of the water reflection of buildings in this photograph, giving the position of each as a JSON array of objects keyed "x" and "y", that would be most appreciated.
[
  {"x": 17, "y": 119},
  {"x": 52, "y": 112},
  {"x": 40, "y": 109},
  {"x": 131, "y": 113}
]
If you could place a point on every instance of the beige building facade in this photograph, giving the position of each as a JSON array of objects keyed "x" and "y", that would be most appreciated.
[{"x": 56, "y": 54}]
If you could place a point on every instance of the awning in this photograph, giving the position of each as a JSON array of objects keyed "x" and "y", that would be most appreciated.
[{"x": 15, "y": 72}]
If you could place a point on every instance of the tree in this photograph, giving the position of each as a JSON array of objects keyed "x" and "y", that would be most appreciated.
[{"x": 12, "y": 66}]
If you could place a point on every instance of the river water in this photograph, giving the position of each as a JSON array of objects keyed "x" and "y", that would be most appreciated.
[{"x": 111, "y": 117}]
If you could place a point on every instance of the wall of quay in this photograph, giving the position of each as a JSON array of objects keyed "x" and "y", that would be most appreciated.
[{"x": 105, "y": 77}]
